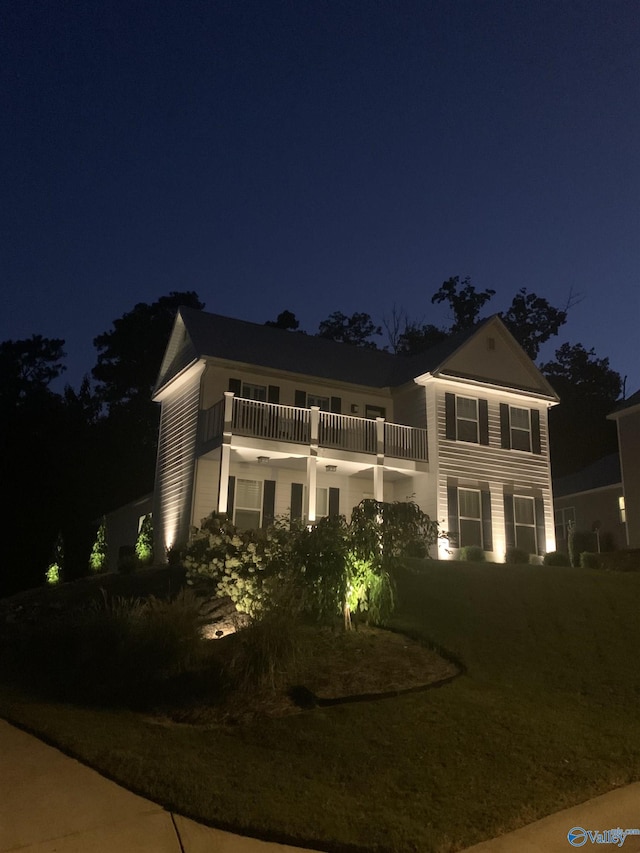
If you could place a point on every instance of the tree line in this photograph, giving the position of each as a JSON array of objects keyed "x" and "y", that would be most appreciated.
[{"x": 70, "y": 457}]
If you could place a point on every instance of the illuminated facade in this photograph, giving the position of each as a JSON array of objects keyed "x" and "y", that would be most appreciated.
[
  {"x": 627, "y": 418},
  {"x": 259, "y": 422}
]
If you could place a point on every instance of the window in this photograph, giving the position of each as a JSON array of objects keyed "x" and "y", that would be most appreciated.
[
  {"x": 466, "y": 419},
  {"x": 375, "y": 412},
  {"x": 254, "y": 392},
  {"x": 525, "y": 522},
  {"x": 322, "y": 503},
  {"x": 564, "y": 517},
  {"x": 248, "y": 504},
  {"x": 621, "y": 509},
  {"x": 520, "y": 428},
  {"x": 470, "y": 517},
  {"x": 323, "y": 403}
]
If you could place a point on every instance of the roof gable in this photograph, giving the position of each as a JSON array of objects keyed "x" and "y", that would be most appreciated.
[{"x": 491, "y": 354}]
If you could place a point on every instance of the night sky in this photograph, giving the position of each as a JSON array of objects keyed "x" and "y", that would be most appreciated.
[{"x": 319, "y": 156}]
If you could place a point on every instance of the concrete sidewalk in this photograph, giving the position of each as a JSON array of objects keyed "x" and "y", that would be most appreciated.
[{"x": 50, "y": 803}]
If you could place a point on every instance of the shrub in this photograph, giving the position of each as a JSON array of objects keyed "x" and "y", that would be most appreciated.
[
  {"x": 144, "y": 542},
  {"x": 55, "y": 569},
  {"x": 621, "y": 561},
  {"x": 555, "y": 558},
  {"x": 98, "y": 558},
  {"x": 127, "y": 559},
  {"x": 516, "y": 555},
  {"x": 579, "y": 541},
  {"x": 589, "y": 560},
  {"x": 472, "y": 554}
]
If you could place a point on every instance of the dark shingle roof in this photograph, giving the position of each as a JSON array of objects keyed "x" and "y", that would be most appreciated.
[
  {"x": 251, "y": 343},
  {"x": 604, "y": 472},
  {"x": 633, "y": 400}
]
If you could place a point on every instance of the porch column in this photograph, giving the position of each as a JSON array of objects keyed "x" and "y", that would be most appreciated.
[
  {"x": 310, "y": 508},
  {"x": 378, "y": 471},
  {"x": 225, "y": 453}
]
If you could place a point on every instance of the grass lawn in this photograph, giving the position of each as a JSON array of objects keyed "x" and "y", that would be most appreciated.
[{"x": 544, "y": 717}]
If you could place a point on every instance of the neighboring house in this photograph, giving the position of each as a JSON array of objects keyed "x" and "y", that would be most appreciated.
[
  {"x": 259, "y": 422},
  {"x": 123, "y": 526},
  {"x": 627, "y": 418},
  {"x": 592, "y": 500}
]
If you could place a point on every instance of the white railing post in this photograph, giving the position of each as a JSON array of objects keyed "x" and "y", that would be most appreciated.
[{"x": 225, "y": 453}]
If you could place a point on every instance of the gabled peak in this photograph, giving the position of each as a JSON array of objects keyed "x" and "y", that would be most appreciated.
[{"x": 180, "y": 351}]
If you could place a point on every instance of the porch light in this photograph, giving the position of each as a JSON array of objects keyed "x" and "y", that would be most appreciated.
[
  {"x": 262, "y": 460},
  {"x": 331, "y": 469}
]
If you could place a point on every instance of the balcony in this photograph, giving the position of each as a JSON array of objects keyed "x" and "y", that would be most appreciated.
[{"x": 238, "y": 416}]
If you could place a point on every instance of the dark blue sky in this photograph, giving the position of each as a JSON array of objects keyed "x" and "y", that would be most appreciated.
[{"x": 319, "y": 156}]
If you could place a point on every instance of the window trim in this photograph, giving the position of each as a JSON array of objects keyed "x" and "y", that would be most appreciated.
[
  {"x": 533, "y": 525},
  {"x": 477, "y": 519},
  {"x": 517, "y": 430},
  {"x": 236, "y": 505}
]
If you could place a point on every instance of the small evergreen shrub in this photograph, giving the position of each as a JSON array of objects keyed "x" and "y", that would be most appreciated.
[
  {"x": 579, "y": 541},
  {"x": 55, "y": 570},
  {"x": 144, "y": 542},
  {"x": 472, "y": 554},
  {"x": 516, "y": 555},
  {"x": 589, "y": 560},
  {"x": 555, "y": 558},
  {"x": 98, "y": 558}
]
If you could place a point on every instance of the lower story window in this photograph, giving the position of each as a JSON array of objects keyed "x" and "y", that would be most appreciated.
[
  {"x": 470, "y": 517},
  {"x": 525, "y": 522},
  {"x": 248, "y": 504}
]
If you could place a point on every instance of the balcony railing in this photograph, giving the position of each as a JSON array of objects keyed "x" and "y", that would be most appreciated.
[{"x": 291, "y": 424}]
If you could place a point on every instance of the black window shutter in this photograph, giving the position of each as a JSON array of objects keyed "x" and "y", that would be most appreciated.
[
  {"x": 231, "y": 494},
  {"x": 450, "y": 416},
  {"x": 483, "y": 417},
  {"x": 300, "y": 400},
  {"x": 268, "y": 502},
  {"x": 505, "y": 427},
  {"x": 296, "y": 501},
  {"x": 487, "y": 532},
  {"x": 454, "y": 527},
  {"x": 273, "y": 394},
  {"x": 509, "y": 522},
  {"x": 334, "y": 501},
  {"x": 235, "y": 385},
  {"x": 535, "y": 431},
  {"x": 336, "y": 405},
  {"x": 540, "y": 531}
]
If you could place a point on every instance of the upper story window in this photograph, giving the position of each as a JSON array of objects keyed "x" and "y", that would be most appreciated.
[
  {"x": 520, "y": 428},
  {"x": 466, "y": 419},
  {"x": 622, "y": 512},
  {"x": 254, "y": 392},
  {"x": 564, "y": 517},
  {"x": 520, "y": 420},
  {"x": 323, "y": 403},
  {"x": 375, "y": 411}
]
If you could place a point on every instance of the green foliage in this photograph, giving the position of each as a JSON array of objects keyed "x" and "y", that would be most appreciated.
[
  {"x": 464, "y": 301},
  {"x": 590, "y": 560},
  {"x": 556, "y": 558},
  {"x": 334, "y": 567},
  {"x": 516, "y": 556},
  {"x": 579, "y": 541},
  {"x": 356, "y": 330},
  {"x": 144, "y": 542},
  {"x": 98, "y": 557},
  {"x": 472, "y": 554},
  {"x": 532, "y": 320},
  {"x": 55, "y": 569}
]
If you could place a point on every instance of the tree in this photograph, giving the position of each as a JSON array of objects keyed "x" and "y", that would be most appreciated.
[
  {"x": 285, "y": 320},
  {"x": 98, "y": 558},
  {"x": 356, "y": 330},
  {"x": 27, "y": 368},
  {"x": 588, "y": 390},
  {"x": 130, "y": 354},
  {"x": 417, "y": 338},
  {"x": 464, "y": 301},
  {"x": 532, "y": 321}
]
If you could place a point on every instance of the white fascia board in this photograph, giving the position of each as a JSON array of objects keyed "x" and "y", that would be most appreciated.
[
  {"x": 616, "y": 486},
  {"x": 630, "y": 410},
  {"x": 487, "y": 389},
  {"x": 185, "y": 377}
]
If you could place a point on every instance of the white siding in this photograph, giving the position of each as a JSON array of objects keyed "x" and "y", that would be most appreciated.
[{"x": 175, "y": 465}]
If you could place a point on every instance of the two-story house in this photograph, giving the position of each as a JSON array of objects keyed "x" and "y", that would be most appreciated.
[{"x": 259, "y": 422}]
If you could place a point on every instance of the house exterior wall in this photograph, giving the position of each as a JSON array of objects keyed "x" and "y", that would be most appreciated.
[
  {"x": 629, "y": 444},
  {"x": 590, "y": 507},
  {"x": 123, "y": 526},
  {"x": 353, "y": 399},
  {"x": 489, "y": 467}
]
